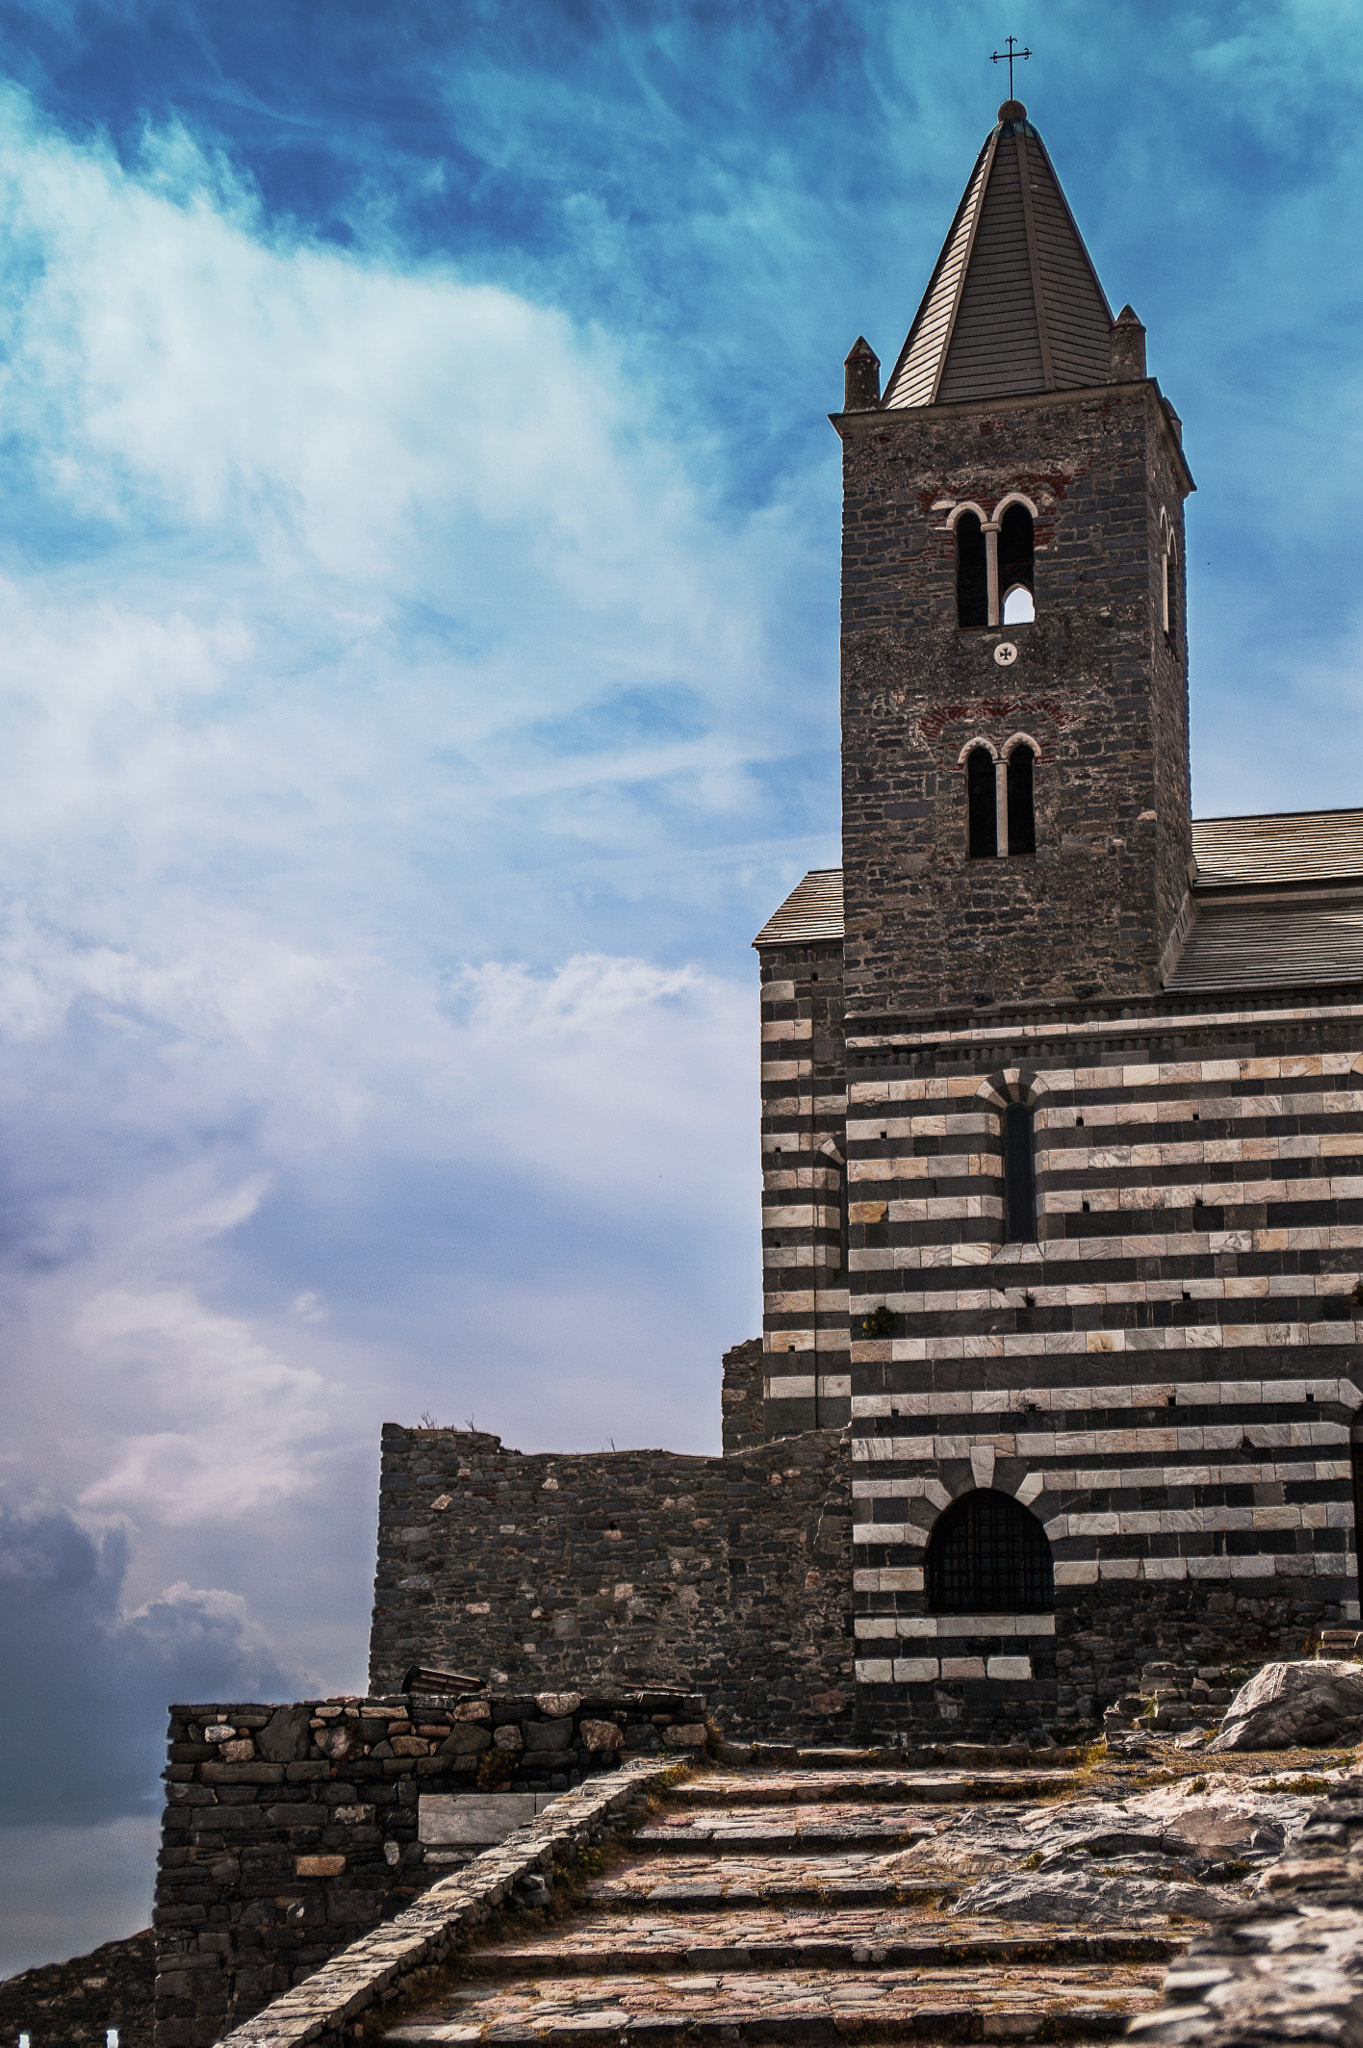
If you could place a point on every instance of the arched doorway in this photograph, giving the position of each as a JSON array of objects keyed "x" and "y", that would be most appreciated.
[{"x": 988, "y": 1555}]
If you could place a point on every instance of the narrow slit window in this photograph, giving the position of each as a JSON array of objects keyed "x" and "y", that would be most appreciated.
[
  {"x": 972, "y": 572},
  {"x": 1355, "y": 1459},
  {"x": 1021, "y": 801},
  {"x": 1170, "y": 594},
  {"x": 981, "y": 804},
  {"x": 1019, "y": 1175},
  {"x": 1017, "y": 564}
]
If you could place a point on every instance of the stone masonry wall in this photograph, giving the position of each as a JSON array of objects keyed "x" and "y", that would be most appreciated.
[
  {"x": 288, "y": 1831},
  {"x": 741, "y": 1397},
  {"x": 729, "y": 1575}
]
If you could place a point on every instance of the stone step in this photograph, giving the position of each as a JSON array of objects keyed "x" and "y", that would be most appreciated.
[
  {"x": 849, "y": 1881},
  {"x": 857, "y": 1938},
  {"x": 795, "y": 2006},
  {"x": 752, "y": 1831},
  {"x": 933, "y": 1756},
  {"x": 929, "y": 1788}
]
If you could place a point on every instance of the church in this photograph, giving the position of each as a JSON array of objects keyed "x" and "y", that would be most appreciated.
[
  {"x": 1062, "y": 1134},
  {"x": 1061, "y": 1127}
]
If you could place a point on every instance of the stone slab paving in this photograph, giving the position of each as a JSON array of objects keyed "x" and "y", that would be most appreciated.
[
  {"x": 778, "y": 1906},
  {"x": 861, "y": 1937},
  {"x": 753, "y": 1830},
  {"x": 811, "y": 1787},
  {"x": 703, "y": 1882},
  {"x": 797, "y": 2005}
]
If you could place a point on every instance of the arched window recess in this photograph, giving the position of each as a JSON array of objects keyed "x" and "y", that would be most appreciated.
[
  {"x": 988, "y": 1554},
  {"x": 1016, "y": 574},
  {"x": 1020, "y": 803},
  {"x": 1000, "y": 797},
  {"x": 981, "y": 800},
  {"x": 972, "y": 567},
  {"x": 1168, "y": 577},
  {"x": 1019, "y": 1174}
]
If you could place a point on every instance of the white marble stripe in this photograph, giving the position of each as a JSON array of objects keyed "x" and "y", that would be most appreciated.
[
  {"x": 1152, "y": 1394},
  {"x": 1015, "y": 1265},
  {"x": 1274, "y": 1336},
  {"x": 1107, "y": 1478},
  {"x": 1006, "y": 1291},
  {"x": 802, "y": 1386},
  {"x": 1101, "y": 1443},
  {"x": 1084, "y": 1479},
  {"x": 1281, "y": 1565},
  {"x": 1057, "y": 1110},
  {"x": 870, "y": 1627},
  {"x": 1201, "y": 1521},
  {"x": 895, "y": 1533}
]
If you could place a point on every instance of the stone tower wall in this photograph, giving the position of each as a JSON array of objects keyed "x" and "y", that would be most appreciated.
[{"x": 1097, "y": 685}]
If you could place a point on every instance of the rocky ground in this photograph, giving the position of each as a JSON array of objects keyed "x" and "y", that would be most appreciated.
[
  {"x": 1040, "y": 1901},
  {"x": 75, "y": 2004}
]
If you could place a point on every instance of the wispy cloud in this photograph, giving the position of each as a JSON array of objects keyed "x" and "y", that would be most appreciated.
[{"x": 418, "y": 621}]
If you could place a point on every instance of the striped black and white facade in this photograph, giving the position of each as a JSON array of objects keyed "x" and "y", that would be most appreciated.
[{"x": 1162, "y": 1366}]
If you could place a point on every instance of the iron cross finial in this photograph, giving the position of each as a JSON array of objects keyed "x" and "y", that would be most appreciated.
[{"x": 1009, "y": 56}]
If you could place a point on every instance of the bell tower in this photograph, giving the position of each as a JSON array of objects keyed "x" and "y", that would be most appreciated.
[{"x": 1016, "y": 819}]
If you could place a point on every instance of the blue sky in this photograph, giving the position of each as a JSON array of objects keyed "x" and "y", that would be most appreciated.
[{"x": 418, "y": 554}]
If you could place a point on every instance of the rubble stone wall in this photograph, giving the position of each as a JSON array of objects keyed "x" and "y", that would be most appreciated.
[
  {"x": 74, "y": 2004},
  {"x": 729, "y": 1575},
  {"x": 741, "y": 1397}
]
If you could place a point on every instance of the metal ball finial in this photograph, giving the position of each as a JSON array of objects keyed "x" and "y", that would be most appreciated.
[{"x": 1012, "y": 110}]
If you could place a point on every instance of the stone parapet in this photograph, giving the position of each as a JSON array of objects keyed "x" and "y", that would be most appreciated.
[
  {"x": 290, "y": 1830},
  {"x": 391, "y": 1962}
]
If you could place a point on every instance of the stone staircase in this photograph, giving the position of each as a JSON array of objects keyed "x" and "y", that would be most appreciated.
[{"x": 780, "y": 1905}]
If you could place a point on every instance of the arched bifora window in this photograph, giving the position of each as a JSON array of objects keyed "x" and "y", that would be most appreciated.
[
  {"x": 982, "y": 808},
  {"x": 1000, "y": 798},
  {"x": 972, "y": 572},
  {"x": 988, "y": 1555},
  {"x": 1017, "y": 566},
  {"x": 1019, "y": 1175}
]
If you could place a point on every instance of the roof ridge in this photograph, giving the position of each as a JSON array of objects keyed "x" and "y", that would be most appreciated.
[{"x": 1246, "y": 817}]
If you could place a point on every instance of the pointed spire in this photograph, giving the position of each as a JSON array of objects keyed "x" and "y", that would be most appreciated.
[
  {"x": 1014, "y": 304},
  {"x": 861, "y": 377},
  {"x": 1128, "y": 347}
]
